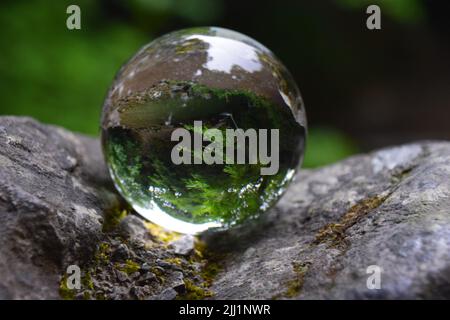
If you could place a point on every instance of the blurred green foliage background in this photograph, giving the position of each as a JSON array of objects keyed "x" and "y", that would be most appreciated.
[{"x": 60, "y": 76}]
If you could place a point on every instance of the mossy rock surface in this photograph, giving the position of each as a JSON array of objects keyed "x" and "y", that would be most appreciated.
[{"x": 58, "y": 208}]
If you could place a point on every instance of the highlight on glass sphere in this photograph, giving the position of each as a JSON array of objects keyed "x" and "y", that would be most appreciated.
[{"x": 203, "y": 128}]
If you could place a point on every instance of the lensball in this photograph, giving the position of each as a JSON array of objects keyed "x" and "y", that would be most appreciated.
[{"x": 203, "y": 128}]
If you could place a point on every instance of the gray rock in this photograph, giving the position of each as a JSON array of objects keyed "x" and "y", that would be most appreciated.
[
  {"x": 184, "y": 245},
  {"x": 178, "y": 282},
  {"x": 121, "y": 253},
  {"x": 55, "y": 199},
  {"x": 122, "y": 276},
  {"x": 147, "y": 278},
  {"x": 389, "y": 208},
  {"x": 167, "y": 294},
  {"x": 132, "y": 227},
  {"x": 54, "y": 189}
]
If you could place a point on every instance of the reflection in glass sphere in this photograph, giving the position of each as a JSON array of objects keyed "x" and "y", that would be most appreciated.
[{"x": 225, "y": 81}]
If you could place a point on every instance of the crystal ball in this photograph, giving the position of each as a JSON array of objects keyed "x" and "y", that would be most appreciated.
[{"x": 203, "y": 128}]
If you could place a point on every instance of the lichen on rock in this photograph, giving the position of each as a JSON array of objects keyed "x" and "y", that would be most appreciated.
[{"x": 58, "y": 208}]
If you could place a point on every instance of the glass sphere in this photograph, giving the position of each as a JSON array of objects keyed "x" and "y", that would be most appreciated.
[{"x": 203, "y": 128}]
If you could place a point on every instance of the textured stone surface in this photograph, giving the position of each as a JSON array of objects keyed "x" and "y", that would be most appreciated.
[
  {"x": 53, "y": 190},
  {"x": 58, "y": 207},
  {"x": 389, "y": 208}
]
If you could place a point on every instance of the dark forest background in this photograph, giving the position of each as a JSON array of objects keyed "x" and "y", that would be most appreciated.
[{"x": 362, "y": 89}]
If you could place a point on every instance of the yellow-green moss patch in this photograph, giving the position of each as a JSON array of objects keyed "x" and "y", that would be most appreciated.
[
  {"x": 194, "y": 292},
  {"x": 295, "y": 285},
  {"x": 64, "y": 291},
  {"x": 335, "y": 232},
  {"x": 129, "y": 267},
  {"x": 113, "y": 216},
  {"x": 176, "y": 261},
  {"x": 102, "y": 254},
  {"x": 160, "y": 233}
]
